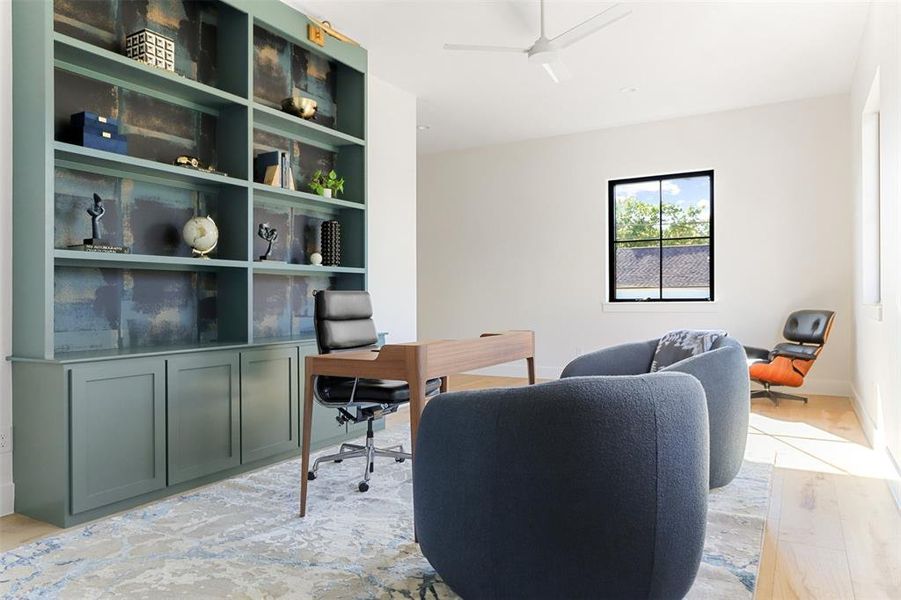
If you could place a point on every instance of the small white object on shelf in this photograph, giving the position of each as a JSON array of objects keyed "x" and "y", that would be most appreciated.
[
  {"x": 316, "y": 259},
  {"x": 151, "y": 48}
]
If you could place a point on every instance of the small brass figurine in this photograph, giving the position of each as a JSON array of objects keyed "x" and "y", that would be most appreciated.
[
  {"x": 192, "y": 162},
  {"x": 269, "y": 234}
]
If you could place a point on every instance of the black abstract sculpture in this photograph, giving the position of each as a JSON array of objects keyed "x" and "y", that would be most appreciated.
[
  {"x": 269, "y": 234},
  {"x": 97, "y": 211}
]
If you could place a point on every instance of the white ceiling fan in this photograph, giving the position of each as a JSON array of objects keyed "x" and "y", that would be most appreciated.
[{"x": 546, "y": 51}]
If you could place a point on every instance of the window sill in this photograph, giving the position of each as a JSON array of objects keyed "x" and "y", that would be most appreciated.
[{"x": 662, "y": 307}]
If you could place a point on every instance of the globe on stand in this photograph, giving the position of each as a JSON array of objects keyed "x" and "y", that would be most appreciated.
[{"x": 202, "y": 235}]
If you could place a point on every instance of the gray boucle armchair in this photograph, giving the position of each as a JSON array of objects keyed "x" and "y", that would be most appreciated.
[
  {"x": 579, "y": 488},
  {"x": 722, "y": 371}
]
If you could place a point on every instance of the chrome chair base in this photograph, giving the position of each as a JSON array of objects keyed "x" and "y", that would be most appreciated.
[
  {"x": 775, "y": 396},
  {"x": 368, "y": 451}
]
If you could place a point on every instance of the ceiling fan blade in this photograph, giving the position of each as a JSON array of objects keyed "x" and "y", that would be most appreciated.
[
  {"x": 586, "y": 28},
  {"x": 476, "y": 48},
  {"x": 557, "y": 71}
]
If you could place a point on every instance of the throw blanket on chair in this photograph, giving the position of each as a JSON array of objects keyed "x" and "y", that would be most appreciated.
[{"x": 683, "y": 343}]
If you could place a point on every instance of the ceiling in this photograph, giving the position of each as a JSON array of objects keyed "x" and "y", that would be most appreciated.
[{"x": 667, "y": 59}]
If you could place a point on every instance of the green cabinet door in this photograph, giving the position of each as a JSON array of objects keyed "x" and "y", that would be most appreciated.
[
  {"x": 118, "y": 431},
  {"x": 269, "y": 402},
  {"x": 204, "y": 414}
]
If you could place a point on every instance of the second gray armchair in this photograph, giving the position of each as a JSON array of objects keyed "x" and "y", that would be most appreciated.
[{"x": 723, "y": 373}]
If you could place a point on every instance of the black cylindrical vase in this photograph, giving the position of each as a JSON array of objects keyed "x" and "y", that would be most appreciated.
[{"x": 330, "y": 240}]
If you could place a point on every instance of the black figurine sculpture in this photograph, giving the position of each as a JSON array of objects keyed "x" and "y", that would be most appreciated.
[
  {"x": 270, "y": 234},
  {"x": 97, "y": 211}
]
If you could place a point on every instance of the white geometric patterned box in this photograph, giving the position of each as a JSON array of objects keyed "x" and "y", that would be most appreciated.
[{"x": 151, "y": 49}]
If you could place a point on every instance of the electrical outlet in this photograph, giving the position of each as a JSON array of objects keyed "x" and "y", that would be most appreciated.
[{"x": 6, "y": 441}]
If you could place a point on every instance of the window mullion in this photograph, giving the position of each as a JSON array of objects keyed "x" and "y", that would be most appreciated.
[{"x": 660, "y": 234}]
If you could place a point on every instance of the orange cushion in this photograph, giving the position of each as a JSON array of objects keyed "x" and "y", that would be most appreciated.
[{"x": 782, "y": 371}]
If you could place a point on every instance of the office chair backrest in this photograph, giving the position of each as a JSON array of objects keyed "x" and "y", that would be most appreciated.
[
  {"x": 809, "y": 326},
  {"x": 343, "y": 321}
]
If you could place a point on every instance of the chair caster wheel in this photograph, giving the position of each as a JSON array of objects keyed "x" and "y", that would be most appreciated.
[
  {"x": 337, "y": 460},
  {"x": 363, "y": 487},
  {"x": 311, "y": 475},
  {"x": 399, "y": 459}
]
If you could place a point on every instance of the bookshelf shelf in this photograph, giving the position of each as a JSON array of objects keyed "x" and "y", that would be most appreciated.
[
  {"x": 277, "y": 268},
  {"x": 80, "y": 258},
  {"x": 86, "y": 59},
  {"x": 302, "y": 199},
  {"x": 275, "y": 121},
  {"x": 120, "y": 165}
]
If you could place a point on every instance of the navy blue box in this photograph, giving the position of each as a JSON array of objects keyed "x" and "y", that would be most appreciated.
[
  {"x": 93, "y": 120},
  {"x": 111, "y": 142}
]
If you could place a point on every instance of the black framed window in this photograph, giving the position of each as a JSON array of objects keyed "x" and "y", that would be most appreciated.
[{"x": 661, "y": 238}]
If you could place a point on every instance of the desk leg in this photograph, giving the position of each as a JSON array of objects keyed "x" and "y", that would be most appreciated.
[
  {"x": 417, "y": 403},
  {"x": 530, "y": 363},
  {"x": 305, "y": 441}
]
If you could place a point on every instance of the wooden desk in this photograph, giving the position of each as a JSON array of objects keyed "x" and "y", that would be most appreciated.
[{"x": 414, "y": 363}]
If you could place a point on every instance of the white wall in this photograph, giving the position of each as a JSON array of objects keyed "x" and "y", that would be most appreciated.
[
  {"x": 6, "y": 459},
  {"x": 514, "y": 236},
  {"x": 391, "y": 148},
  {"x": 876, "y": 368}
]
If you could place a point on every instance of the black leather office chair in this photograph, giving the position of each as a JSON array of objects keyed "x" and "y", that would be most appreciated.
[{"x": 344, "y": 322}]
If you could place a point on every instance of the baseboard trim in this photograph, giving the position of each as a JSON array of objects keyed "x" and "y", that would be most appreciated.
[
  {"x": 825, "y": 387},
  {"x": 870, "y": 430},
  {"x": 877, "y": 441},
  {"x": 894, "y": 484},
  {"x": 7, "y": 498}
]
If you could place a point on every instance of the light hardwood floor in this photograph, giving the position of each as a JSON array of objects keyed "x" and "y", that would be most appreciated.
[{"x": 833, "y": 529}]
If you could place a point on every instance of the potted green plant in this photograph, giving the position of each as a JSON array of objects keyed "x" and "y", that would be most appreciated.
[{"x": 327, "y": 184}]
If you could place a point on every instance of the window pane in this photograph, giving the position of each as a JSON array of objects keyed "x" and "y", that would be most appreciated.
[
  {"x": 637, "y": 210},
  {"x": 686, "y": 269},
  {"x": 686, "y": 207},
  {"x": 637, "y": 271}
]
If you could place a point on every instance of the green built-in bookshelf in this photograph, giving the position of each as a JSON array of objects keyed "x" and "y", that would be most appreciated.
[
  {"x": 137, "y": 375},
  {"x": 235, "y": 61}
]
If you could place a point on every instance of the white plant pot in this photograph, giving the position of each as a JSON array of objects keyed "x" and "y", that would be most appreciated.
[{"x": 327, "y": 192}]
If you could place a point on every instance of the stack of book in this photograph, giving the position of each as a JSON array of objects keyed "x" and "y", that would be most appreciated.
[{"x": 274, "y": 168}]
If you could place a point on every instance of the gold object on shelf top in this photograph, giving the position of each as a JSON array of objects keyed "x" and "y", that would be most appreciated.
[{"x": 327, "y": 28}]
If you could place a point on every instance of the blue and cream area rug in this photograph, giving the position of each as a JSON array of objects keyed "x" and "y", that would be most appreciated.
[{"x": 241, "y": 538}]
